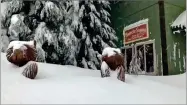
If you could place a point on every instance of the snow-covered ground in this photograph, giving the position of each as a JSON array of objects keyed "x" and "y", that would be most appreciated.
[{"x": 56, "y": 84}]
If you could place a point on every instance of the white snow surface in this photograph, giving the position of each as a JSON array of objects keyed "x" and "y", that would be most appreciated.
[
  {"x": 180, "y": 20},
  {"x": 109, "y": 51},
  {"x": 57, "y": 84}
]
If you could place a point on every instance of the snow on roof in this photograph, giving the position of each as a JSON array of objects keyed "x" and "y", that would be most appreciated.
[
  {"x": 110, "y": 51},
  {"x": 180, "y": 21}
]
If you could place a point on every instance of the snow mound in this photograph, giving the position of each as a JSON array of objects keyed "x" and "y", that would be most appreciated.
[
  {"x": 110, "y": 51},
  {"x": 57, "y": 84},
  {"x": 180, "y": 20}
]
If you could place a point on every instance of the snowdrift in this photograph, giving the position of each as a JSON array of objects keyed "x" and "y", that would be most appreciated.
[{"x": 57, "y": 84}]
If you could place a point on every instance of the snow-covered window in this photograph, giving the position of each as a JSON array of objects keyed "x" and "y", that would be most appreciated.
[{"x": 179, "y": 25}]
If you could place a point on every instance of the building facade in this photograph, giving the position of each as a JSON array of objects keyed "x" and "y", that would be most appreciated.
[{"x": 145, "y": 33}]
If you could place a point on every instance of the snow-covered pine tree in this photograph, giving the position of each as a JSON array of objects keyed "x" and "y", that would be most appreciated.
[
  {"x": 67, "y": 32},
  {"x": 95, "y": 32},
  {"x": 83, "y": 33}
]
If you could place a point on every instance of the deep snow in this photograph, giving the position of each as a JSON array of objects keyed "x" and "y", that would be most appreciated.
[{"x": 57, "y": 84}]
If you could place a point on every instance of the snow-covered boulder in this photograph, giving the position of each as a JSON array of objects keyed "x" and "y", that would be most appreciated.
[{"x": 21, "y": 52}]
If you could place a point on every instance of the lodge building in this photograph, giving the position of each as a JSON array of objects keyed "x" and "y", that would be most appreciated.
[{"x": 152, "y": 34}]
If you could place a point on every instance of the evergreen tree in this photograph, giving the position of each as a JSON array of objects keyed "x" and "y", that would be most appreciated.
[
  {"x": 95, "y": 32},
  {"x": 67, "y": 32}
]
